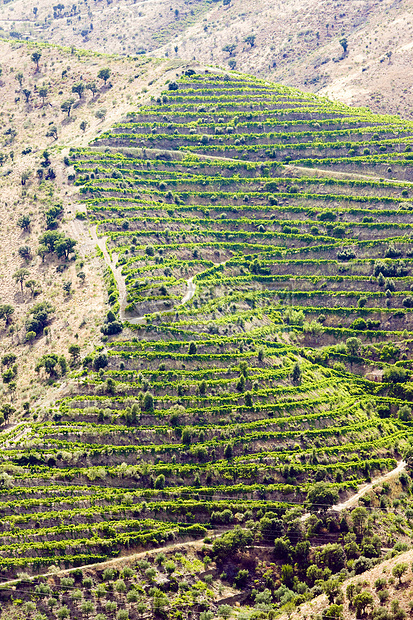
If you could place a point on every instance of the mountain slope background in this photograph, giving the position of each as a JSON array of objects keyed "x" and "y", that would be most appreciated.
[{"x": 295, "y": 43}]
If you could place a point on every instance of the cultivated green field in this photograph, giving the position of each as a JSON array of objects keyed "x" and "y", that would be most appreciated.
[{"x": 263, "y": 344}]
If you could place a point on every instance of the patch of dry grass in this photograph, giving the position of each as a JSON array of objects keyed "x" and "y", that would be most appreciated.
[{"x": 23, "y": 127}]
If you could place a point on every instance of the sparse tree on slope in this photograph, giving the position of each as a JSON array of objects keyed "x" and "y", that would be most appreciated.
[
  {"x": 36, "y": 59},
  {"x": 104, "y": 74}
]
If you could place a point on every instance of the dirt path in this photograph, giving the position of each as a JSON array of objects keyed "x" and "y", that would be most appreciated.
[
  {"x": 125, "y": 559},
  {"x": 111, "y": 261},
  {"x": 349, "y": 503},
  {"x": 324, "y": 173},
  {"x": 365, "y": 488},
  {"x": 288, "y": 169},
  {"x": 191, "y": 290}
]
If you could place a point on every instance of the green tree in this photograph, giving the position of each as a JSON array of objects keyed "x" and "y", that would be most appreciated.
[
  {"x": 30, "y": 336},
  {"x": 83, "y": 125},
  {"x": 230, "y": 48},
  {"x": 332, "y": 556},
  {"x": 296, "y": 374},
  {"x": 27, "y": 93},
  {"x": 19, "y": 77},
  {"x": 160, "y": 482},
  {"x": 110, "y": 386},
  {"x": 359, "y": 517},
  {"x": 399, "y": 570},
  {"x": 248, "y": 400},
  {"x": 25, "y": 176},
  {"x": 332, "y": 589},
  {"x": 64, "y": 246},
  {"x": 235, "y": 540},
  {"x": 344, "y": 44},
  {"x": 101, "y": 114},
  {"x": 10, "y": 374},
  {"x": 335, "y": 612},
  {"x": 148, "y": 402},
  {"x": 36, "y": 59},
  {"x": 362, "y": 601},
  {"x": 67, "y": 287},
  {"x": 92, "y": 87},
  {"x": 63, "y": 364},
  {"x": 100, "y": 361},
  {"x": 350, "y": 592},
  {"x": 49, "y": 363},
  {"x": 353, "y": 346},
  {"x": 225, "y": 611},
  {"x": 24, "y": 222},
  {"x": 79, "y": 89},
  {"x": 67, "y": 106},
  {"x": 25, "y": 252},
  {"x": 395, "y": 374},
  {"x": 241, "y": 578},
  {"x": 250, "y": 39},
  {"x": 52, "y": 132},
  {"x": 87, "y": 608},
  {"x": 6, "y": 311},
  {"x": 381, "y": 281},
  {"x": 49, "y": 239},
  {"x": 192, "y": 348},
  {"x": 405, "y": 413},
  {"x": 186, "y": 436},
  {"x": 63, "y": 612},
  {"x": 43, "y": 92},
  {"x": 42, "y": 250},
  {"x": 321, "y": 496},
  {"x": 287, "y": 575},
  {"x": 104, "y": 74},
  {"x": 20, "y": 276},
  {"x": 31, "y": 285},
  {"x": 7, "y": 410},
  {"x": 74, "y": 352},
  {"x": 8, "y": 359}
]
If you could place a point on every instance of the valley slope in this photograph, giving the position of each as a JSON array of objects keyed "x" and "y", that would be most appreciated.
[{"x": 254, "y": 360}]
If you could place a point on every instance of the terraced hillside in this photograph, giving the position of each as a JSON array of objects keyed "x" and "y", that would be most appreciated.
[{"x": 255, "y": 295}]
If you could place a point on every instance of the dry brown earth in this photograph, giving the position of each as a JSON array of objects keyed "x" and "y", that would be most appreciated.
[{"x": 297, "y": 42}]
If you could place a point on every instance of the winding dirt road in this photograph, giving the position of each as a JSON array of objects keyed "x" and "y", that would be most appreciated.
[
  {"x": 365, "y": 488},
  {"x": 352, "y": 501},
  {"x": 111, "y": 261}
]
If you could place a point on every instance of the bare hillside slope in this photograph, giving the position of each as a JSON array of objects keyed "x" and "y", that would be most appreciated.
[{"x": 296, "y": 43}]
